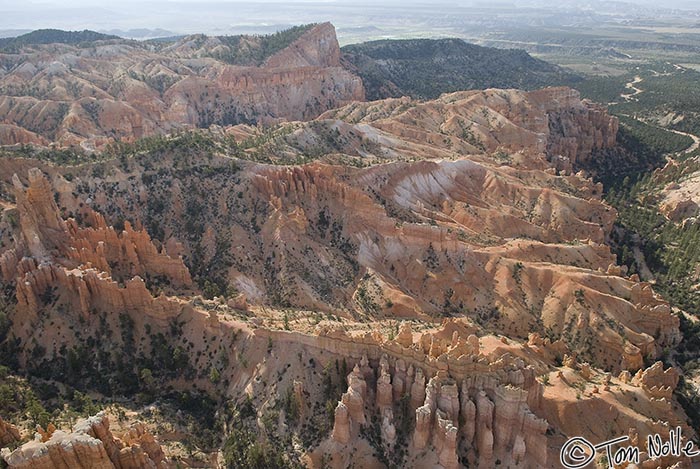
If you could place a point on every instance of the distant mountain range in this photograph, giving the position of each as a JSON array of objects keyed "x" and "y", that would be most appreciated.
[
  {"x": 4, "y": 33},
  {"x": 141, "y": 33}
]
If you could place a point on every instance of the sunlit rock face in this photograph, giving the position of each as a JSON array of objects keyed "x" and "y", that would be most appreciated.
[
  {"x": 119, "y": 89},
  {"x": 455, "y": 215},
  {"x": 90, "y": 445}
]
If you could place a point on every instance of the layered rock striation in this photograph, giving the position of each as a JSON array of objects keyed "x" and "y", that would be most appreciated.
[
  {"x": 122, "y": 90},
  {"x": 454, "y": 216},
  {"x": 55, "y": 263},
  {"x": 91, "y": 445},
  {"x": 466, "y": 215},
  {"x": 480, "y": 416}
]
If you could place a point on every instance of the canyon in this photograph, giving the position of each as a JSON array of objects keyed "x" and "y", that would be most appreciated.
[
  {"x": 436, "y": 282},
  {"x": 88, "y": 96},
  {"x": 221, "y": 255}
]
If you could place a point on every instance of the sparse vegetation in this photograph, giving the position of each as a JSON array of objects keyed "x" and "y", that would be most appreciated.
[{"x": 254, "y": 50}]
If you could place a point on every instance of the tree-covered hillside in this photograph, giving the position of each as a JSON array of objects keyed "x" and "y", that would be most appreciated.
[
  {"x": 51, "y": 36},
  {"x": 426, "y": 68}
]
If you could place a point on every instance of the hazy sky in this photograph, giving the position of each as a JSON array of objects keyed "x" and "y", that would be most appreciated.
[{"x": 225, "y": 16}]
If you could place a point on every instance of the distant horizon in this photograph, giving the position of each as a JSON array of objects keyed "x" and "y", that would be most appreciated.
[{"x": 220, "y": 17}]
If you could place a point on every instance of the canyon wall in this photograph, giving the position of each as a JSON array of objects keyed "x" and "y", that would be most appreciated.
[
  {"x": 466, "y": 216},
  {"x": 90, "y": 445},
  {"x": 451, "y": 215},
  {"x": 122, "y": 90}
]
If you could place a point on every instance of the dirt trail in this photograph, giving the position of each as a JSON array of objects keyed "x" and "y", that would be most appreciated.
[
  {"x": 635, "y": 91},
  {"x": 691, "y": 148},
  {"x": 644, "y": 271}
]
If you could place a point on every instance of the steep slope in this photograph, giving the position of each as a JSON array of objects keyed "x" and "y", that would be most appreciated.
[
  {"x": 459, "y": 217},
  {"x": 91, "y": 445},
  {"x": 426, "y": 68},
  {"x": 466, "y": 216},
  {"x": 91, "y": 94},
  {"x": 449, "y": 395}
]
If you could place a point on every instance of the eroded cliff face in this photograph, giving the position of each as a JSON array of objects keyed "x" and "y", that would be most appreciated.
[
  {"x": 90, "y": 445},
  {"x": 122, "y": 90},
  {"x": 455, "y": 222},
  {"x": 428, "y": 212},
  {"x": 317, "y": 48},
  {"x": 477, "y": 412},
  {"x": 551, "y": 121},
  {"x": 56, "y": 263}
]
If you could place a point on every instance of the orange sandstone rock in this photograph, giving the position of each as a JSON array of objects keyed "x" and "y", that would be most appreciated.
[{"x": 91, "y": 445}]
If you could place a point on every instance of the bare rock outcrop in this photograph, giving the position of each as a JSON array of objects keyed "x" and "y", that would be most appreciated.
[
  {"x": 553, "y": 121},
  {"x": 488, "y": 410},
  {"x": 193, "y": 85},
  {"x": 411, "y": 224},
  {"x": 576, "y": 127},
  {"x": 678, "y": 209},
  {"x": 405, "y": 335},
  {"x": 82, "y": 267},
  {"x": 657, "y": 382},
  {"x": 351, "y": 408},
  {"x": 441, "y": 228},
  {"x": 91, "y": 445},
  {"x": 8, "y": 433},
  {"x": 43, "y": 230},
  {"x": 341, "y": 424},
  {"x": 317, "y": 48}
]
